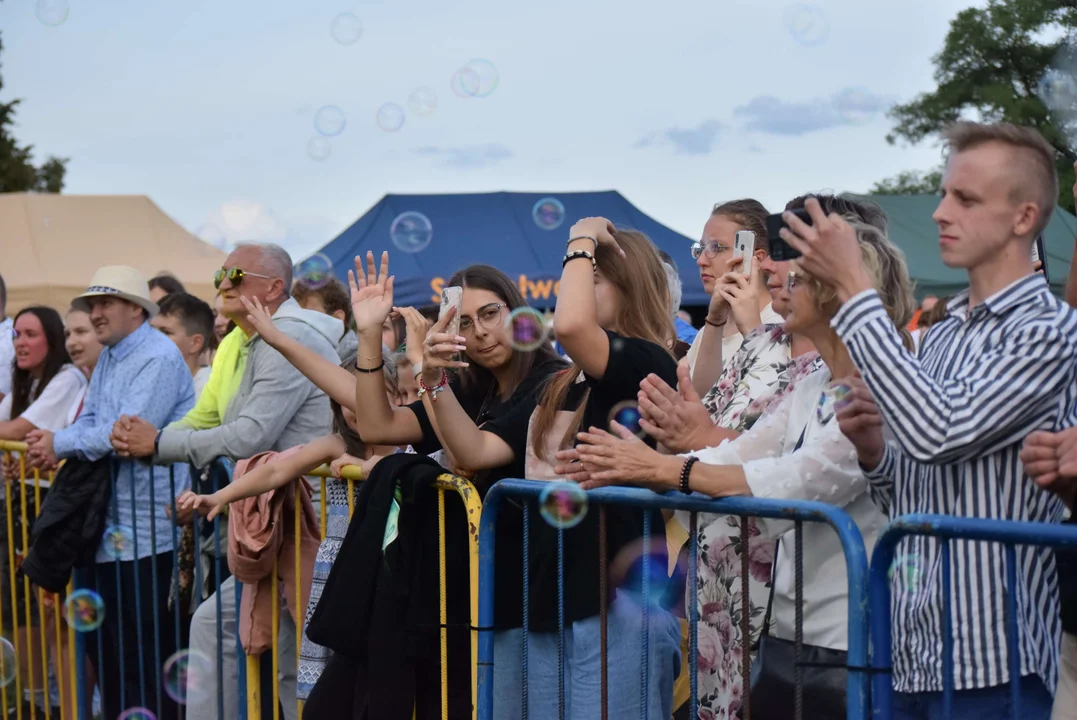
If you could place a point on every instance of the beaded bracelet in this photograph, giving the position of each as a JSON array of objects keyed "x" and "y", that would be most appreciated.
[
  {"x": 435, "y": 389},
  {"x": 686, "y": 470},
  {"x": 579, "y": 254}
]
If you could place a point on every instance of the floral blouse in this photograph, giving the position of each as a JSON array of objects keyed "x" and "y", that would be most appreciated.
[{"x": 759, "y": 375}]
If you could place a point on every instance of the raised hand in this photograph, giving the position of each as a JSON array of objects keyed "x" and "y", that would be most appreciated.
[
  {"x": 829, "y": 249},
  {"x": 372, "y": 293},
  {"x": 261, "y": 320},
  {"x": 417, "y": 329},
  {"x": 742, "y": 296},
  {"x": 440, "y": 349},
  {"x": 598, "y": 228},
  {"x": 676, "y": 418}
]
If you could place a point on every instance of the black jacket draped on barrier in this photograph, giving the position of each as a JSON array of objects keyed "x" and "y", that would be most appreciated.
[
  {"x": 68, "y": 529},
  {"x": 379, "y": 611}
]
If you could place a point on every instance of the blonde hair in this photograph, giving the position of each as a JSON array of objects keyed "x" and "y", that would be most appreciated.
[
  {"x": 642, "y": 287},
  {"x": 1037, "y": 177},
  {"x": 889, "y": 272}
]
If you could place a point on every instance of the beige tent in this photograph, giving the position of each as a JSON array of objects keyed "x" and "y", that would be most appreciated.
[{"x": 50, "y": 245}]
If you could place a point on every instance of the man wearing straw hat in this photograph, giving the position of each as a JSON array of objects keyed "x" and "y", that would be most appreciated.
[{"x": 140, "y": 372}]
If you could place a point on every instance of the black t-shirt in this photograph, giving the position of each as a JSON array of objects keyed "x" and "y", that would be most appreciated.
[
  {"x": 630, "y": 360},
  {"x": 486, "y": 411}
]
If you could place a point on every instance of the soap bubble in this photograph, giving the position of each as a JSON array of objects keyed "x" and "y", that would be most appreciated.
[
  {"x": 527, "y": 329},
  {"x": 187, "y": 675},
  {"x": 117, "y": 540},
  {"x": 318, "y": 148},
  {"x": 907, "y": 570},
  {"x": 627, "y": 414},
  {"x": 563, "y": 504},
  {"x": 346, "y": 29},
  {"x": 548, "y": 213},
  {"x": 422, "y": 101},
  {"x": 808, "y": 24},
  {"x": 390, "y": 117},
  {"x": 631, "y": 565},
  {"x": 8, "y": 663},
  {"x": 52, "y": 12},
  {"x": 479, "y": 78},
  {"x": 315, "y": 271},
  {"x": 464, "y": 81},
  {"x": 329, "y": 120},
  {"x": 411, "y": 231},
  {"x": 136, "y": 713},
  {"x": 84, "y": 610}
]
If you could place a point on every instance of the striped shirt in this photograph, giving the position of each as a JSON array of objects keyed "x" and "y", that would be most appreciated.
[{"x": 984, "y": 379}]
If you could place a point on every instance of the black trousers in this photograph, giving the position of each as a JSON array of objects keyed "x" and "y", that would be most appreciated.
[{"x": 140, "y": 683}]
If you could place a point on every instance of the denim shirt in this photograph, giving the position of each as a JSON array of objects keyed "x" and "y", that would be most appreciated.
[{"x": 145, "y": 375}]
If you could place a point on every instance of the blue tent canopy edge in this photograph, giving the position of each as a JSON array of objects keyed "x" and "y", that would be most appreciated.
[{"x": 496, "y": 229}]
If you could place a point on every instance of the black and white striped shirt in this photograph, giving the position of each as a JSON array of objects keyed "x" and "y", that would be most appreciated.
[{"x": 984, "y": 379}]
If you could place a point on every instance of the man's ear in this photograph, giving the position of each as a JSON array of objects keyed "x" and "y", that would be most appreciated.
[{"x": 198, "y": 344}]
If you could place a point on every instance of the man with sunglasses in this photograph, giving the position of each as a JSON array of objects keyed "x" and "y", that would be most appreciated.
[{"x": 274, "y": 407}]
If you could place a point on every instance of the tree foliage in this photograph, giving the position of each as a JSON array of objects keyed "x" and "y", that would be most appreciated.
[
  {"x": 910, "y": 182},
  {"x": 989, "y": 69},
  {"x": 17, "y": 170}
]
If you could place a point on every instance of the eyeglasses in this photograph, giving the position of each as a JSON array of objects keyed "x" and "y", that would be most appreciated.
[
  {"x": 792, "y": 279},
  {"x": 489, "y": 316},
  {"x": 713, "y": 249},
  {"x": 235, "y": 276}
]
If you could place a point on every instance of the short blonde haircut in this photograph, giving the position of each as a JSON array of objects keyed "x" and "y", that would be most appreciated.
[
  {"x": 889, "y": 272},
  {"x": 1037, "y": 177}
]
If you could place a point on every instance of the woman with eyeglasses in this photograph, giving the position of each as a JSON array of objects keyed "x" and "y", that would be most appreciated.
[
  {"x": 719, "y": 339},
  {"x": 795, "y": 452}
]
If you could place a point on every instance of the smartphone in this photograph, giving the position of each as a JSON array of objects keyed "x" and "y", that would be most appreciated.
[
  {"x": 1040, "y": 255},
  {"x": 452, "y": 297},
  {"x": 780, "y": 250},
  {"x": 744, "y": 247}
]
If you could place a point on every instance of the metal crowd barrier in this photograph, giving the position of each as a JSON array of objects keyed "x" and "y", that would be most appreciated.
[
  {"x": 69, "y": 661},
  {"x": 797, "y": 512},
  {"x": 948, "y": 528}
]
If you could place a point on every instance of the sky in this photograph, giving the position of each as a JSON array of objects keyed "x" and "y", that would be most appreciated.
[{"x": 212, "y": 108}]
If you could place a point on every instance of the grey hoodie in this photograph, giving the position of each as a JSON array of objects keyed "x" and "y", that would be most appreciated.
[{"x": 276, "y": 406}]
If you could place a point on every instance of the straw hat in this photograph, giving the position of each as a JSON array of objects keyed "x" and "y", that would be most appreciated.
[{"x": 119, "y": 281}]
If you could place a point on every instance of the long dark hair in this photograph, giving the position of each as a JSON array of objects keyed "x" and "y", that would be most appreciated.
[
  {"x": 22, "y": 382},
  {"x": 475, "y": 378},
  {"x": 354, "y": 444}
]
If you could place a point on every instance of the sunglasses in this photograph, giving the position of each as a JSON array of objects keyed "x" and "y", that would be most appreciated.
[{"x": 235, "y": 276}]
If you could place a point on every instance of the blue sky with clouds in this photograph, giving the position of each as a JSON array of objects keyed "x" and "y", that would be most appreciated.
[{"x": 209, "y": 107}]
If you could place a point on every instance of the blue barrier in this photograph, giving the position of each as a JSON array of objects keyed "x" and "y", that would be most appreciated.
[
  {"x": 948, "y": 528},
  {"x": 847, "y": 531}
]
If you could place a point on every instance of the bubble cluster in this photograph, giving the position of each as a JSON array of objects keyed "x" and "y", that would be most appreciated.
[
  {"x": 117, "y": 540},
  {"x": 329, "y": 121},
  {"x": 527, "y": 329},
  {"x": 136, "y": 713},
  {"x": 390, "y": 117},
  {"x": 808, "y": 24},
  {"x": 52, "y": 12},
  {"x": 462, "y": 80},
  {"x": 318, "y": 148},
  {"x": 548, "y": 213},
  {"x": 627, "y": 414},
  {"x": 187, "y": 674},
  {"x": 84, "y": 610},
  {"x": 8, "y": 662},
  {"x": 411, "y": 232},
  {"x": 422, "y": 101},
  {"x": 315, "y": 271},
  {"x": 346, "y": 29},
  {"x": 563, "y": 505}
]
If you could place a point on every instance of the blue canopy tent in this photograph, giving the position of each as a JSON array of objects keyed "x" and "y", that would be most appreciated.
[{"x": 496, "y": 229}]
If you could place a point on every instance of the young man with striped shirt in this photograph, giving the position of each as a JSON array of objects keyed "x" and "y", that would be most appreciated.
[{"x": 1002, "y": 364}]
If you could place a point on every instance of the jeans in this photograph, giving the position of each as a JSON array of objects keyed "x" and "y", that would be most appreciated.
[
  {"x": 202, "y": 701},
  {"x": 991, "y": 703},
  {"x": 582, "y": 648}
]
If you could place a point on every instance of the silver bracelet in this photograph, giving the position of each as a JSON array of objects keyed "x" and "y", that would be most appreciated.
[{"x": 583, "y": 237}]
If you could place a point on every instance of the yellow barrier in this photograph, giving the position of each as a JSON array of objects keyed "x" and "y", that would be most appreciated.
[
  {"x": 66, "y": 675},
  {"x": 473, "y": 507}
]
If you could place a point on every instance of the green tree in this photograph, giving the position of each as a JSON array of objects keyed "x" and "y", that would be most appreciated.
[
  {"x": 990, "y": 67},
  {"x": 910, "y": 182},
  {"x": 17, "y": 170}
]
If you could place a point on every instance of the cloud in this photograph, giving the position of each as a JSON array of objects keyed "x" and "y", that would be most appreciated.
[
  {"x": 685, "y": 141},
  {"x": 850, "y": 106},
  {"x": 467, "y": 156},
  {"x": 237, "y": 221}
]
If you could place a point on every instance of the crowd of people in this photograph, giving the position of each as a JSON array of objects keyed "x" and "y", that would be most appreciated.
[{"x": 815, "y": 378}]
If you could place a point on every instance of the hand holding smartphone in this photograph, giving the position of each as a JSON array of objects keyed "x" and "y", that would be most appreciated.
[
  {"x": 452, "y": 297},
  {"x": 744, "y": 247},
  {"x": 780, "y": 250}
]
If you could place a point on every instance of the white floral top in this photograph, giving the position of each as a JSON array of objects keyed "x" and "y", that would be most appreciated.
[{"x": 758, "y": 375}]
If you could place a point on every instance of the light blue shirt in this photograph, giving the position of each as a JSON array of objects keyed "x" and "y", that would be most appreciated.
[{"x": 144, "y": 375}]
